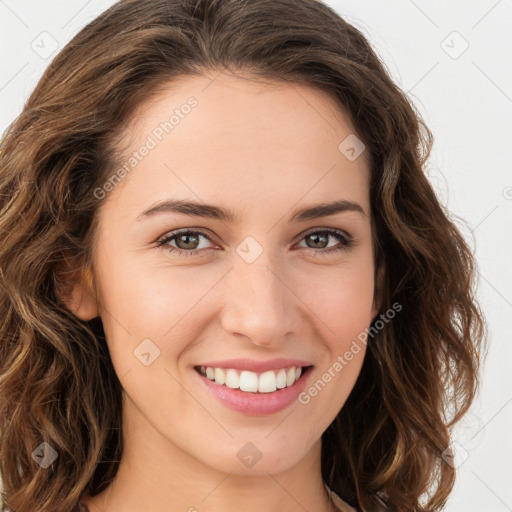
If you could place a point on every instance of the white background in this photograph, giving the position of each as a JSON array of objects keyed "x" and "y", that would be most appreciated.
[{"x": 466, "y": 99}]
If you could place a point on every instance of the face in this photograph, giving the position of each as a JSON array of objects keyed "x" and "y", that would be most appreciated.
[{"x": 248, "y": 278}]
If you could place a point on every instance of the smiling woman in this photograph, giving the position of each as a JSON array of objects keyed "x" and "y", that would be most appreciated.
[{"x": 226, "y": 282}]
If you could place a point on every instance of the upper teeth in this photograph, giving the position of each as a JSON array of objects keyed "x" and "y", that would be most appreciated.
[{"x": 265, "y": 382}]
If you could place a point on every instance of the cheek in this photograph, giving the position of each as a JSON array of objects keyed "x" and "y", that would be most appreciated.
[
  {"x": 341, "y": 299},
  {"x": 341, "y": 302},
  {"x": 153, "y": 300},
  {"x": 347, "y": 311}
]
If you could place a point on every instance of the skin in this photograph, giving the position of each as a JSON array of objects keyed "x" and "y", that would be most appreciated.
[{"x": 263, "y": 151}]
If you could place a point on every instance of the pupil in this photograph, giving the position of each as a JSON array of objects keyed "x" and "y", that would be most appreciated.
[
  {"x": 182, "y": 237},
  {"x": 318, "y": 237}
]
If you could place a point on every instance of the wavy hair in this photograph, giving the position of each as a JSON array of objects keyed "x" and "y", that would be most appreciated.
[{"x": 57, "y": 383}]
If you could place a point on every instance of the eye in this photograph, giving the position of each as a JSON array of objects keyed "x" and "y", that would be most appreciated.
[
  {"x": 188, "y": 242},
  {"x": 185, "y": 239},
  {"x": 322, "y": 237}
]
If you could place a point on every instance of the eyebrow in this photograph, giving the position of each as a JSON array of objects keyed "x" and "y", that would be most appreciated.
[{"x": 195, "y": 209}]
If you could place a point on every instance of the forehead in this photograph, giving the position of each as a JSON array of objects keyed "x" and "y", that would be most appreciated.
[
  {"x": 242, "y": 137},
  {"x": 232, "y": 102}
]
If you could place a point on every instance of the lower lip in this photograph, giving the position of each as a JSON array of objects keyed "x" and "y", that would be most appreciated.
[{"x": 257, "y": 404}]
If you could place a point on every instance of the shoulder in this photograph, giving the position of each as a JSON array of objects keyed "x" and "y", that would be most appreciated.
[{"x": 340, "y": 504}]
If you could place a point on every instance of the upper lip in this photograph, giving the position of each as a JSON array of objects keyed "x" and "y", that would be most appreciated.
[{"x": 254, "y": 365}]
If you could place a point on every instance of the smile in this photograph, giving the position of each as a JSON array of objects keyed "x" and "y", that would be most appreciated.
[
  {"x": 254, "y": 393},
  {"x": 252, "y": 382}
]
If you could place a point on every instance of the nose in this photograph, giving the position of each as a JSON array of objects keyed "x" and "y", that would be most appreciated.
[{"x": 259, "y": 302}]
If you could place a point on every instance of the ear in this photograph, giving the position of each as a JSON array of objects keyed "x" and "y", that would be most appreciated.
[
  {"x": 75, "y": 289},
  {"x": 379, "y": 291}
]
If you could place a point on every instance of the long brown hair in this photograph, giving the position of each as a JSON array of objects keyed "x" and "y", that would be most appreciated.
[{"x": 57, "y": 383}]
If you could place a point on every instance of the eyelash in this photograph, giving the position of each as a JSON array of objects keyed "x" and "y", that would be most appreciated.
[{"x": 346, "y": 241}]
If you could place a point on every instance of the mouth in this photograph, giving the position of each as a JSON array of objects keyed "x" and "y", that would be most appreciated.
[{"x": 268, "y": 382}]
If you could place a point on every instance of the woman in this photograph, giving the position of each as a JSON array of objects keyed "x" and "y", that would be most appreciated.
[{"x": 304, "y": 350}]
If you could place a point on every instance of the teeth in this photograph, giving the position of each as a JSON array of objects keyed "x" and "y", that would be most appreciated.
[
  {"x": 290, "y": 376},
  {"x": 232, "y": 379},
  {"x": 251, "y": 382},
  {"x": 267, "y": 382},
  {"x": 220, "y": 376},
  {"x": 248, "y": 381},
  {"x": 281, "y": 379}
]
